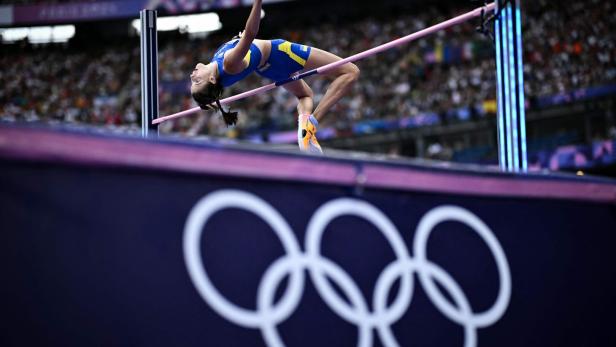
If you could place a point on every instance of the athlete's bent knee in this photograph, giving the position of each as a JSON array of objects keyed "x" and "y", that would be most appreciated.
[{"x": 353, "y": 72}]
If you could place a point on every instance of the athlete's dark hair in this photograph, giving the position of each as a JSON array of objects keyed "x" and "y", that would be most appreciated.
[{"x": 210, "y": 94}]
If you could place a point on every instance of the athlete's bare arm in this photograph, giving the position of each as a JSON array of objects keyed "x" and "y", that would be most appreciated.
[{"x": 234, "y": 59}]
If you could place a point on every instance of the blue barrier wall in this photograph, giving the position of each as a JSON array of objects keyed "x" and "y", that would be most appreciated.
[{"x": 126, "y": 242}]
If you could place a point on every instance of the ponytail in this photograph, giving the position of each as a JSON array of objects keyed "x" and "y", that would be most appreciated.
[{"x": 210, "y": 94}]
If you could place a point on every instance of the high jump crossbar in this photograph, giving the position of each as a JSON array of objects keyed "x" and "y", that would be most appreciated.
[{"x": 359, "y": 56}]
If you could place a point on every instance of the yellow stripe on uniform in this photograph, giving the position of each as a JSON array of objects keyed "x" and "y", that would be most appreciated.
[
  {"x": 247, "y": 58},
  {"x": 286, "y": 47}
]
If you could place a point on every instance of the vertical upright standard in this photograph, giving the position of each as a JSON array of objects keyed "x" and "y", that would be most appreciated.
[
  {"x": 510, "y": 84},
  {"x": 149, "y": 73}
]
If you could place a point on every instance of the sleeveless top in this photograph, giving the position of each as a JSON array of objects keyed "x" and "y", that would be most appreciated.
[
  {"x": 253, "y": 58},
  {"x": 286, "y": 58}
]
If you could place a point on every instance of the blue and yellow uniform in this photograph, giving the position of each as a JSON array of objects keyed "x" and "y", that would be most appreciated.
[{"x": 286, "y": 58}]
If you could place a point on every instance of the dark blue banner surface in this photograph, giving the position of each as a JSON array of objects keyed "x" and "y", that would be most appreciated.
[{"x": 97, "y": 255}]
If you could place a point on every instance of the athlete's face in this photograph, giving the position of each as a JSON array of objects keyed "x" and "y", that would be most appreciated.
[{"x": 201, "y": 76}]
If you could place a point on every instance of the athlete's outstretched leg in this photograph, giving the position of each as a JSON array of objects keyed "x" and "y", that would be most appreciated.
[
  {"x": 307, "y": 125},
  {"x": 344, "y": 77}
]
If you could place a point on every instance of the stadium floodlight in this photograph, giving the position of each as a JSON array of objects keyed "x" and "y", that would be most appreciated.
[
  {"x": 14, "y": 34},
  {"x": 39, "y": 35},
  {"x": 192, "y": 24}
]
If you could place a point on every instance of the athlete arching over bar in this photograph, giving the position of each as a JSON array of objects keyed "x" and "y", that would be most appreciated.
[{"x": 276, "y": 60}]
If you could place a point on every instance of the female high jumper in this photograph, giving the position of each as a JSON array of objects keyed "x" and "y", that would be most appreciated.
[{"x": 276, "y": 60}]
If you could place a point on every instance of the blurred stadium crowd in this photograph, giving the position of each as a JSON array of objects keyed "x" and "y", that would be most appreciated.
[{"x": 450, "y": 70}]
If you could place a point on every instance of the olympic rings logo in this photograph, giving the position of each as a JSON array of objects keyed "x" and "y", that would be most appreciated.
[{"x": 294, "y": 264}]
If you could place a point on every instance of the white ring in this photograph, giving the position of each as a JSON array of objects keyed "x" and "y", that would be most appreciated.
[
  {"x": 268, "y": 315},
  {"x": 453, "y": 213},
  {"x": 273, "y": 277},
  {"x": 316, "y": 227},
  {"x": 199, "y": 217}
]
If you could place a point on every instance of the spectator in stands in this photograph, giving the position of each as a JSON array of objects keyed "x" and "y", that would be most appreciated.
[{"x": 451, "y": 70}]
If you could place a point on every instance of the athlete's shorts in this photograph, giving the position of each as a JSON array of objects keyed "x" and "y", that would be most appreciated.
[{"x": 286, "y": 58}]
